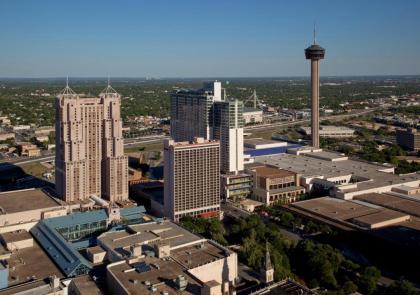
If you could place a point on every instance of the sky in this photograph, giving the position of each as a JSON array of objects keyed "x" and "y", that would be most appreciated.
[{"x": 207, "y": 38}]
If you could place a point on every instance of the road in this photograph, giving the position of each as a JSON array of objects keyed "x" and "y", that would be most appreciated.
[
  {"x": 159, "y": 138},
  {"x": 128, "y": 142},
  {"x": 330, "y": 118}
]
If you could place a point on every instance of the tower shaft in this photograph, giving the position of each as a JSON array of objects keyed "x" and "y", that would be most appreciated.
[{"x": 315, "y": 102}]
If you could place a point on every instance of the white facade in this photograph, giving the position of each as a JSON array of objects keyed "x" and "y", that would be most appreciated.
[
  {"x": 206, "y": 113},
  {"x": 252, "y": 115},
  {"x": 331, "y": 131}
]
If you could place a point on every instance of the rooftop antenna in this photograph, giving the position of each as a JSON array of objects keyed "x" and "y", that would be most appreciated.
[
  {"x": 109, "y": 81},
  {"x": 314, "y": 33},
  {"x": 67, "y": 90}
]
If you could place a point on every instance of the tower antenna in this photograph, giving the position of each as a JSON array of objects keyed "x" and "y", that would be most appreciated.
[
  {"x": 67, "y": 81},
  {"x": 314, "y": 33},
  {"x": 109, "y": 81}
]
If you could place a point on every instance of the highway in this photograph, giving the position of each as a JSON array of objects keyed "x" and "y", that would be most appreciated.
[
  {"x": 128, "y": 142},
  {"x": 159, "y": 138},
  {"x": 292, "y": 123}
]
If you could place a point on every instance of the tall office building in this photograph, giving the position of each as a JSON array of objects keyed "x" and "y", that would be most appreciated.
[
  {"x": 191, "y": 112},
  {"x": 228, "y": 128},
  {"x": 89, "y": 158},
  {"x": 315, "y": 53},
  {"x": 207, "y": 113},
  {"x": 192, "y": 178}
]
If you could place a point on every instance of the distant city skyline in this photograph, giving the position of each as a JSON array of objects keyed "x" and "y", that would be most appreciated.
[{"x": 206, "y": 38}]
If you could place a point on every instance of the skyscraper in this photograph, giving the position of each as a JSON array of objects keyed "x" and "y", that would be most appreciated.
[
  {"x": 228, "y": 128},
  {"x": 207, "y": 113},
  {"x": 192, "y": 178},
  {"x": 315, "y": 53},
  {"x": 89, "y": 147},
  {"x": 191, "y": 112}
]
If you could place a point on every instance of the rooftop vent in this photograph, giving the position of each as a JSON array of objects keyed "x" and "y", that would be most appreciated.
[{"x": 181, "y": 282}]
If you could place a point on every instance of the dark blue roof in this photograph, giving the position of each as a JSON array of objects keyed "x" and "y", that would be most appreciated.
[
  {"x": 70, "y": 261},
  {"x": 63, "y": 252},
  {"x": 269, "y": 151},
  {"x": 77, "y": 218},
  {"x": 132, "y": 211}
]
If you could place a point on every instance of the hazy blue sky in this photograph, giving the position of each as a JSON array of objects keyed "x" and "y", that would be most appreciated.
[{"x": 206, "y": 38}]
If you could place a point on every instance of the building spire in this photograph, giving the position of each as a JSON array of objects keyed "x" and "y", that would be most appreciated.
[
  {"x": 108, "y": 90},
  {"x": 314, "y": 33},
  {"x": 67, "y": 90}
]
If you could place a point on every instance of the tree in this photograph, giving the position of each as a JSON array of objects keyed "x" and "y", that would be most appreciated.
[
  {"x": 349, "y": 287},
  {"x": 368, "y": 279},
  {"x": 400, "y": 287}
]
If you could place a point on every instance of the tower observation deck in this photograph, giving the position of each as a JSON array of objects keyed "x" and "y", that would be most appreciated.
[{"x": 315, "y": 53}]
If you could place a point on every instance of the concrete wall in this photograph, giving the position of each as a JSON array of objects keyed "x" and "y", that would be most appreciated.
[
  {"x": 30, "y": 215},
  {"x": 114, "y": 286},
  {"x": 222, "y": 270}
]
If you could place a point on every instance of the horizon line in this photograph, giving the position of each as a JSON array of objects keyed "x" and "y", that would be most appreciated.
[{"x": 206, "y": 77}]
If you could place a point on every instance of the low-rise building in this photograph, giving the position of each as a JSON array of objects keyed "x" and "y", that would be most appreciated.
[
  {"x": 21, "y": 209},
  {"x": 252, "y": 115},
  {"x": 275, "y": 186},
  {"x": 334, "y": 174},
  {"x": 164, "y": 258},
  {"x": 4, "y": 120},
  {"x": 6, "y": 136},
  {"x": 235, "y": 186},
  {"x": 27, "y": 149},
  {"x": 408, "y": 139},
  {"x": 21, "y": 127},
  {"x": 330, "y": 131}
]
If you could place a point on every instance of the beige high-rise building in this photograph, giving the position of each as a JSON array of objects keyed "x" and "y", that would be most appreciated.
[
  {"x": 90, "y": 157},
  {"x": 192, "y": 178}
]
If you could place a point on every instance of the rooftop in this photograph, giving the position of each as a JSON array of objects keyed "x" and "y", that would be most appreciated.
[
  {"x": 161, "y": 277},
  {"x": 149, "y": 233},
  {"x": 374, "y": 175},
  {"x": 392, "y": 202},
  {"x": 31, "y": 263},
  {"x": 351, "y": 213},
  {"x": 249, "y": 110},
  {"x": 271, "y": 172},
  {"x": 25, "y": 200},
  {"x": 15, "y": 236},
  {"x": 196, "y": 255},
  {"x": 85, "y": 285}
]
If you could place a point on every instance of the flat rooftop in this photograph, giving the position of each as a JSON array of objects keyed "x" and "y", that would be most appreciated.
[
  {"x": 162, "y": 277},
  {"x": 327, "y": 156},
  {"x": 15, "y": 236},
  {"x": 29, "y": 263},
  {"x": 198, "y": 254},
  {"x": 309, "y": 166},
  {"x": 257, "y": 141},
  {"x": 271, "y": 172},
  {"x": 251, "y": 110},
  {"x": 86, "y": 285},
  {"x": 149, "y": 233},
  {"x": 349, "y": 212},
  {"x": 25, "y": 200},
  {"x": 392, "y": 202}
]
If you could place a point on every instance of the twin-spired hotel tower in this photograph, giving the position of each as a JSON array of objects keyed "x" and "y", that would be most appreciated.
[{"x": 90, "y": 157}]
